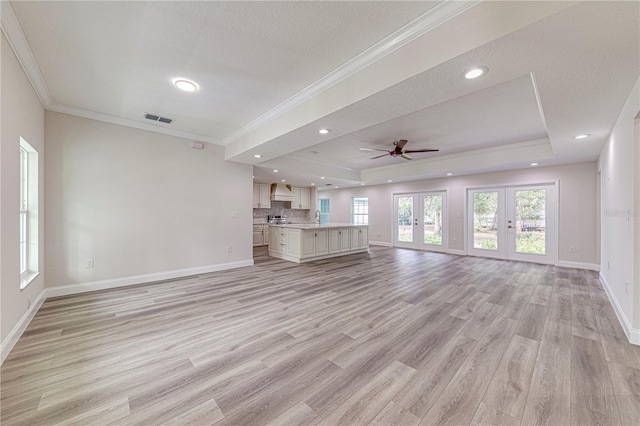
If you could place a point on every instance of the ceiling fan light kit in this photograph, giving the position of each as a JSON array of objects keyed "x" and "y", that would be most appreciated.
[{"x": 399, "y": 150}]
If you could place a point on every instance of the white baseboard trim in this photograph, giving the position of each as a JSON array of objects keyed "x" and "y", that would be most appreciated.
[
  {"x": 633, "y": 334},
  {"x": 579, "y": 265},
  {"x": 456, "y": 251},
  {"x": 21, "y": 326},
  {"x": 64, "y": 290},
  {"x": 380, "y": 243}
]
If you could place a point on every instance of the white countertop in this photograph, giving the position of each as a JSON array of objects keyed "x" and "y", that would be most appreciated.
[{"x": 314, "y": 225}]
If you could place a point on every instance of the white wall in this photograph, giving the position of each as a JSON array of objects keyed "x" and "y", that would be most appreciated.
[
  {"x": 577, "y": 208},
  {"x": 619, "y": 164},
  {"x": 22, "y": 115},
  {"x": 139, "y": 203}
]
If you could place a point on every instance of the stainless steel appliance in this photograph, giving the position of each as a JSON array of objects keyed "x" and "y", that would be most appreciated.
[{"x": 277, "y": 219}]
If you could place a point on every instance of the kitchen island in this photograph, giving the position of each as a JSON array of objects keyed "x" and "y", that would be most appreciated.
[{"x": 306, "y": 242}]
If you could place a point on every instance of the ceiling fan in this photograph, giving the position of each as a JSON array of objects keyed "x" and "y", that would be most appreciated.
[{"x": 399, "y": 150}]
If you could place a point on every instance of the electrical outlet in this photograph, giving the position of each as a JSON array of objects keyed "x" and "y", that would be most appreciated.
[
  {"x": 626, "y": 287},
  {"x": 88, "y": 263},
  {"x": 572, "y": 249},
  {"x": 229, "y": 249},
  {"x": 234, "y": 215},
  {"x": 455, "y": 240}
]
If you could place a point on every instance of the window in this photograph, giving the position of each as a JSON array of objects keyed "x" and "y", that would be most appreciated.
[
  {"x": 324, "y": 210},
  {"x": 28, "y": 213},
  {"x": 360, "y": 210},
  {"x": 24, "y": 207}
]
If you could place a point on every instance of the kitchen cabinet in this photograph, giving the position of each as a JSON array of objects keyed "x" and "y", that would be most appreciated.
[
  {"x": 315, "y": 242},
  {"x": 277, "y": 242},
  {"x": 293, "y": 242},
  {"x": 339, "y": 240},
  {"x": 302, "y": 200},
  {"x": 359, "y": 237},
  {"x": 260, "y": 235},
  {"x": 306, "y": 242},
  {"x": 261, "y": 196}
]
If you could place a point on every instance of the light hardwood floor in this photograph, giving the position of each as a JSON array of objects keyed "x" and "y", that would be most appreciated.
[{"x": 385, "y": 338}]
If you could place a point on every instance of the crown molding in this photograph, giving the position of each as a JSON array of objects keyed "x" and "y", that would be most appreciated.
[
  {"x": 18, "y": 42},
  {"x": 409, "y": 32},
  {"x": 98, "y": 116},
  {"x": 424, "y": 23}
]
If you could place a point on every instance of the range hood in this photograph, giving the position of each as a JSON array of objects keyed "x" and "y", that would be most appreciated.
[{"x": 281, "y": 192}]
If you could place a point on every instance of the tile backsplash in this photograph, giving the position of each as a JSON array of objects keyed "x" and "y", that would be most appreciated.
[{"x": 279, "y": 208}]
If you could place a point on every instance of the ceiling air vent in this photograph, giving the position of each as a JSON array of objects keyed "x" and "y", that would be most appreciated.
[{"x": 154, "y": 117}]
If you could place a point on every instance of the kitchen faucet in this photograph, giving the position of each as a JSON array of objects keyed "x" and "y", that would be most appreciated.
[{"x": 317, "y": 216}]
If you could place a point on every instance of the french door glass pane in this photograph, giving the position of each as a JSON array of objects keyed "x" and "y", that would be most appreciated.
[
  {"x": 530, "y": 221},
  {"x": 405, "y": 219},
  {"x": 485, "y": 220},
  {"x": 433, "y": 219}
]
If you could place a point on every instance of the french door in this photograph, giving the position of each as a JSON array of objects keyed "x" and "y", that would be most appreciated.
[
  {"x": 513, "y": 222},
  {"x": 421, "y": 220}
]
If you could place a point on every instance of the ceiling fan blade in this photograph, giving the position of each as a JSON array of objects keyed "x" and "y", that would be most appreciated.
[
  {"x": 400, "y": 144},
  {"x": 373, "y": 149},
  {"x": 379, "y": 156},
  {"x": 405, "y": 156},
  {"x": 422, "y": 150}
]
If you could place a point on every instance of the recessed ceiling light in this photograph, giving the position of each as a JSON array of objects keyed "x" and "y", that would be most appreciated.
[
  {"x": 475, "y": 72},
  {"x": 389, "y": 181},
  {"x": 534, "y": 164},
  {"x": 362, "y": 184},
  {"x": 336, "y": 186},
  {"x": 283, "y": 180},
  {"x": 449, "y": 174},
  {"x": 186, "y": 85},
  {"x": 324, "y": 131},
  {"x": 313, "y": 184},
  {"x": 257, "y": 156},
  {"x": 275, "y": 170},
  {"x": 583, "y": 136},
  {"x": 321, "y": 177}
]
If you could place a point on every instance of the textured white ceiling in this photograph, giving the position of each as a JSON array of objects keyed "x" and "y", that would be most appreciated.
[
  {"x": 502, "y": 114},
  {"x": 118, "y": 58},
  {"x": 556, "y": 69}
]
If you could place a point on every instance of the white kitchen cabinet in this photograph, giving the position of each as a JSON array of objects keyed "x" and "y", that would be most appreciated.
[
  {"x": 359, "y": 237},
  {"x": 302, "y": 200},
  {"x": 307, "y": 242},
  {"x": 260, "y": 235},
  {"x": 293, "y": 242},
  {"x": 275, "y": 241},
  {"x": 266, "y": 234},
  {"x": 322, "y": 242},
  {"x": 339, "y": 240},
  {"x": 335, "y": 240},
  {"x": 261, "y": 196},
  {"x": 315, "y": 242}
]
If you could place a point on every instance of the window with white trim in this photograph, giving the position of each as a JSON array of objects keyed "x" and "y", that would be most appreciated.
[
  {"x": 360, "y": 210},
  {"x": 324, "y": 210},
  {"x": 24, "y": 208},
  {"x": 28, "y": 213}
]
